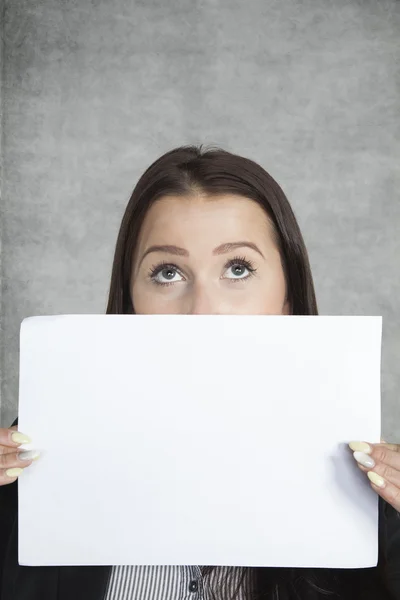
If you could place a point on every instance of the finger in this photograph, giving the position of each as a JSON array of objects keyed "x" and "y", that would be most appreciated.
[
  {"x": 9, "y": 475},
  {"x": 11, "y": 438},
  {"x": 392, "y": 447},
  {"x": 374, "y": 461},
  {"x": 387, "y": 473},
  {"x": 389, "y": 454},
  {"x": 18, "y": 459},
  {"x": 385, "y": 489}
]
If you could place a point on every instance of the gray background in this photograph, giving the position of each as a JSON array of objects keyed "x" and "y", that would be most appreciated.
[{"x": 94, "y": 91}]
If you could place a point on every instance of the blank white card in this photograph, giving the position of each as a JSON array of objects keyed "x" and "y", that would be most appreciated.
[{"x": 198, "y": 440}]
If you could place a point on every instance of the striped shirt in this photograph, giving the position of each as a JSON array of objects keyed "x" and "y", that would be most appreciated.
[{"x": 179, "y": 583}]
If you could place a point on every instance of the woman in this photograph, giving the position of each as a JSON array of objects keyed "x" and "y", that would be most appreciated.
[{"x": 208, "y": 232}]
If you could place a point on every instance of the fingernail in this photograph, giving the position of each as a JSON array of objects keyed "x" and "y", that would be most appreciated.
[
  {"x": 376, "y": 479},
  {"x": 360, "y": 447},
  {"x": 20, "y": 438},
  {"x": 28, "y": 455},
  {"x": 14, "y": 472},
  {"x": 364, "y": 459}
]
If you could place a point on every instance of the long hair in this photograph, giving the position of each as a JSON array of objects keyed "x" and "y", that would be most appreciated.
[{"x": 189, "y": 170}]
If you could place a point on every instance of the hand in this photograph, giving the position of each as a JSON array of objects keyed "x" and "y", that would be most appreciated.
[
  {"x": 12, "y": 461},
  {"x": 381, "y": 463}
]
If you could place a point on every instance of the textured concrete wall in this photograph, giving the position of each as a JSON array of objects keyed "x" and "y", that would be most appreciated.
[
  {"x": 1, "y": 198},
  {"x": 93, "y": 91}
]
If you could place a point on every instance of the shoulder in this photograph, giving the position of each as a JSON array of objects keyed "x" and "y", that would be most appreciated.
[{"x": 389, "y": 541}]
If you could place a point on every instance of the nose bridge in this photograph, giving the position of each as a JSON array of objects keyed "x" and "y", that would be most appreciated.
[{"x": 204, "y": 299}]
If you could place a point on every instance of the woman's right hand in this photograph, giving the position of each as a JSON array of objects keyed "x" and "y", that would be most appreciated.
[{"x": 12, "y": 460}]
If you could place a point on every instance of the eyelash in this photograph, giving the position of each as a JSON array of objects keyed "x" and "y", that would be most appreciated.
[
  {"x": 155, "y": 270},
  {"x": 237, "y": 260}
]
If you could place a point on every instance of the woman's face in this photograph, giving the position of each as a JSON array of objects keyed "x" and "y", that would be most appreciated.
[{"x": 198, "y": 255}]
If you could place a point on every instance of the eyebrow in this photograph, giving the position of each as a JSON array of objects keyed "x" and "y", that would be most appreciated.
[{"x": 222, "y": 249}]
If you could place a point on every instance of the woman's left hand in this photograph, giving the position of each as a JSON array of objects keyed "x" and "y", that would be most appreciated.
[{"x": 381, "y": 462}]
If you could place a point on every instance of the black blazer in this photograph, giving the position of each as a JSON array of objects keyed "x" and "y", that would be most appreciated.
[{"x": 90, "y": 583}]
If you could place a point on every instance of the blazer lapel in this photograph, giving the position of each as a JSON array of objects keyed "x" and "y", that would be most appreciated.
[{"x": 83, "y": 583}]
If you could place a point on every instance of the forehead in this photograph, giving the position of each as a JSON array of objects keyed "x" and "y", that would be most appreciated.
[{"x": 216, "y": 216}]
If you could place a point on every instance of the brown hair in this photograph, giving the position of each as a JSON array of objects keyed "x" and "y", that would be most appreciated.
[{"x": 190, "y": 169}]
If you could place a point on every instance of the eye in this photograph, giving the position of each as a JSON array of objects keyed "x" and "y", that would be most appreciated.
[
  {"x": 165, "y": 274},
  {"x": 239, "y": 268}
]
